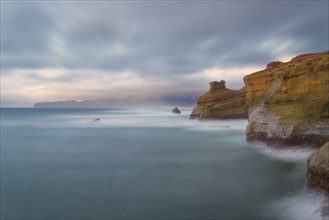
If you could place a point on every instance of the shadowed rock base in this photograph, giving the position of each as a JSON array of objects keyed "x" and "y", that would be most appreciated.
[
  {"x": 318, "y": 169},
  {"x": 309, "y": 140}
]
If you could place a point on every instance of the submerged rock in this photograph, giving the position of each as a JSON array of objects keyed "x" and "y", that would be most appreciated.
[
  {"x": 289, "y": 102},
  {"x": 220, "y": 102},
  {"x": 176, "y": 111},
  {"x": 318, "y": 169}
]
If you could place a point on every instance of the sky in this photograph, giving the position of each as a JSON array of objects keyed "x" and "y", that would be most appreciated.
[{"x": 78, "y": 50}]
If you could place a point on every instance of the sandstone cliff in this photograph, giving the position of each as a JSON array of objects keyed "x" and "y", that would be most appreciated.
[
  {"x": 220, "y": 102},
  {"x": 318, "y": 169},
  {"x": 289, "y": 102}
]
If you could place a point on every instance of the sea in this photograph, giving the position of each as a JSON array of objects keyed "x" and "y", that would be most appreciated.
[{"x": 145, "y": 163}]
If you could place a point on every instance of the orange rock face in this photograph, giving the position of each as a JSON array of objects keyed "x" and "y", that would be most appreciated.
[
  {"x": 289, "y": 102},
  {"x": 220, "y": 102}
]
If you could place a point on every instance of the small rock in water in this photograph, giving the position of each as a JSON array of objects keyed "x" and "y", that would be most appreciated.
[
  {"x": 97, "y": 119},
  {"x": 176, "y": 111}
]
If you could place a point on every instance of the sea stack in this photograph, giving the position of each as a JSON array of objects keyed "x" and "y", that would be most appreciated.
[
  {"x": 289, "y": 102},
  {"x": 220, "y": 103},
  {"x": 176, "y": 111}
]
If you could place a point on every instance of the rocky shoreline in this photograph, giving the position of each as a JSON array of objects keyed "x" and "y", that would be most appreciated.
[{"x": 287, "y": 104}]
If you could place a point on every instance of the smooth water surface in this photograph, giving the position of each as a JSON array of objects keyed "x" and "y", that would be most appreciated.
[{"x": 144, "y": 164}]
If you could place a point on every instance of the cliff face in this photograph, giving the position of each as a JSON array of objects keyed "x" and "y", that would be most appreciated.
[
  {"x": 220, "y": 102},
  {"x": 289, "y": 102}
]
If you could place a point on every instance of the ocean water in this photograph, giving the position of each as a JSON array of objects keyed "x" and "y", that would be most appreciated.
[{"x": 144, "y": 164}]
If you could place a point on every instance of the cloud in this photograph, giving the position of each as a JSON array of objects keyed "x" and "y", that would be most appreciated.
[
  {"x": 52, "y": 84},
  {"x": 231, "y": 75},
  {"x": 163, "y": 41}
]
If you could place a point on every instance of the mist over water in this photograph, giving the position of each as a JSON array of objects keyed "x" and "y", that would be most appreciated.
[{"x": 145, "y": 164}]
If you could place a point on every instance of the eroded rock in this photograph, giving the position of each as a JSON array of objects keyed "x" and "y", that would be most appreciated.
[
  {"x": 220, "y": 102},
  {"x": 289, "y": 102}
]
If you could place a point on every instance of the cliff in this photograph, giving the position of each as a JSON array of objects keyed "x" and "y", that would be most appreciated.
[
  {"x": 289, "y": 102},
  {"x": 220, "y": 102},
  {"x": 318, "y": 169}
]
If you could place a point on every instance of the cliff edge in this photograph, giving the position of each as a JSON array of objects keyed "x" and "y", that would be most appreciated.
[
  {"x": 220, "y": 102},
  {"x": 289, "y": 102}
]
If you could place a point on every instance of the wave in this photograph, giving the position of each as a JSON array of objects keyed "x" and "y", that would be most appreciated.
[
  {"x": 291, "y": 154},
  {"x": 303, "y": 205}
]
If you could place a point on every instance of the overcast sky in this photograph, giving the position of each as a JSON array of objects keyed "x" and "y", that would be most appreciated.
[{"x": 59, "y": 50}]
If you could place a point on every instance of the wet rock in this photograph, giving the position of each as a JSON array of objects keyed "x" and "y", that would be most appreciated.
[
  {"x": 325, "y": 211},
  {"x": 176, "y": 111},
  {"x": 318, "y": 169},
  {"x": 194, "y": 116}
]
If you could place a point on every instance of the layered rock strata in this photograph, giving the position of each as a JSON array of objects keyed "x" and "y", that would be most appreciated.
[
  {"x": 220, "y": 103},
  {"x": 289, "y": 102},
  {"x": 318, "y": 169}
]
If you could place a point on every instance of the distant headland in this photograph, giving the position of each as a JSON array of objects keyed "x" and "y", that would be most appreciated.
[{"x": 120, "y": 102}]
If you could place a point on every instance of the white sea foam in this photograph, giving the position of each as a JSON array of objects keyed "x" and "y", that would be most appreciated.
[
  {"x": 156, "y": 117},
  {"x": 291, "y": 154},
  {"x": 160, "y": 117},
  {"x": 304, "y": 205}
]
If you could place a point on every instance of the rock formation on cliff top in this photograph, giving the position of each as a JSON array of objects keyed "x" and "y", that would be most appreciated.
[
  {"x": 289, "y": 102},
  {"x": 220, "y": 102}
]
